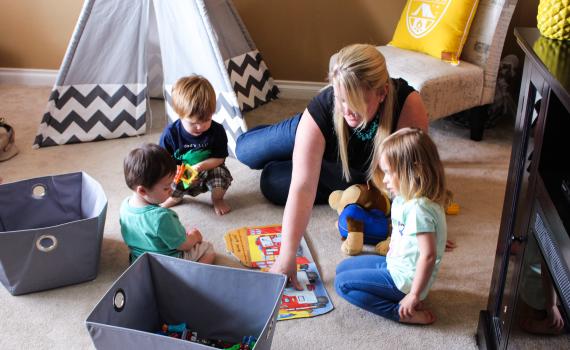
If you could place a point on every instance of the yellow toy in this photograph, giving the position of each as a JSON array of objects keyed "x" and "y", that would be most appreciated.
[
  {"x": 185, "y": 174},
  {"x": 452, "y": 207},
  {"x": 364, "y": 217}
]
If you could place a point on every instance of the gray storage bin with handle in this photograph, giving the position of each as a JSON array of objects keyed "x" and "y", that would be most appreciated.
[
  {"x": 217, "y": 302},
  {"x": 51, "y": 229}
]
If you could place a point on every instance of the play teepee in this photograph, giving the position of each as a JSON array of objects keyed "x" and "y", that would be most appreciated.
[{"x": 122, "y": 51}]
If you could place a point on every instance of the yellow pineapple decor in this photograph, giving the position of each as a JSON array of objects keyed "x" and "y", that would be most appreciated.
[{"x": 553, "y": 19}]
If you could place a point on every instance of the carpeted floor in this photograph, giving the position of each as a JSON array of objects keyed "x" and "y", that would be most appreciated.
[{"x": 477, "y": 173}]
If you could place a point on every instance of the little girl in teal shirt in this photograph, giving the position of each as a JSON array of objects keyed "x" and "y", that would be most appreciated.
[{"x": 394, "y": 286}]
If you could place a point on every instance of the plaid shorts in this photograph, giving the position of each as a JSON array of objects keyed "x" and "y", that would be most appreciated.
[{"x": 208, "y": 180}]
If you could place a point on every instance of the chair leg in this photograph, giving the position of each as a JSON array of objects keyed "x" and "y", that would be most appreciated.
[{"x": 477, "y": 118}]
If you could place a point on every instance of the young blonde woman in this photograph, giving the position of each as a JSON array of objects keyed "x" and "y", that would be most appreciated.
[
  {"x": 395, "y": 285},
  {"x": 331, "y": 145}
]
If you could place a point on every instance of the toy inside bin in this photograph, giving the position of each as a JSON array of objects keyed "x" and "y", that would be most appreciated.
[
  {"x": 216, "y": 302},
  {"x": 51, "y": 229}
]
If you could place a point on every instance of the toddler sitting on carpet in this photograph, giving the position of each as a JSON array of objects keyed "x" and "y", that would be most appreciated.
[{"x": 145, "y": 225}]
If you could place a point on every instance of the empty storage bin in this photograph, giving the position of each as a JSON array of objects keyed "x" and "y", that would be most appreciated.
[
  {"x": 51, "y": 229},
  {"x": 217, "y": 302}
]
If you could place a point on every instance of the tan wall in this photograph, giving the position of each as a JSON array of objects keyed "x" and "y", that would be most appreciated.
[{"x": 296, "y": 37}]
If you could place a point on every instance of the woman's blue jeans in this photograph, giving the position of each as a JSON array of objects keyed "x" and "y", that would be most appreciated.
[
  {"x": 365, "y": 282},
  {"x": 270, "y": 147}
]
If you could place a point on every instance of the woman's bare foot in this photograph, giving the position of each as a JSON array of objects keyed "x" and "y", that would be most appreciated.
[
  {"x": 220, "y": 206},
  {"x": 420, "y": 317},
  {"x": 170, "y": 202}
]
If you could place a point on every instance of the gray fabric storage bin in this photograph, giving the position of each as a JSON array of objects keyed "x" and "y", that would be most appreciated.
[
  {"x": 51, "y": 229},
  {"x": 216, "y": 301}
]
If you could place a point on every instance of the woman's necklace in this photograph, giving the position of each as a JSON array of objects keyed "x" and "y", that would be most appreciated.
[{"x": 368, "y": 132}]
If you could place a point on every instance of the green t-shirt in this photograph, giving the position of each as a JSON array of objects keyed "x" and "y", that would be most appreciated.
[
  {"x": 409, "y": 218},
  {"x": 151, "y": 229}
]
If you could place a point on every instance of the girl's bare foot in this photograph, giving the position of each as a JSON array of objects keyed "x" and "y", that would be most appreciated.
[
  {"x": 220, "y": 206},
  {"x": 420, "y": 306},
  {"x": 420, "y": 317}
]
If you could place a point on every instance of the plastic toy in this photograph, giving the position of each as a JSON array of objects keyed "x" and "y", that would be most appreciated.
[
  {"x": 179, "y": 331},
  {"x": 364, "y": 213},
  {"x": 452, "y": 209},
  {"x": 186, "y": 174}
]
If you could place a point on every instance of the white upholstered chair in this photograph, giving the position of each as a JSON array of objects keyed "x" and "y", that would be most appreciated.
[{"x": 448, "y": 89}]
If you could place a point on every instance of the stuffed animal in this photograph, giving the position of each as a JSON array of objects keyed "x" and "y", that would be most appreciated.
[{"x": 364, "y": 217}]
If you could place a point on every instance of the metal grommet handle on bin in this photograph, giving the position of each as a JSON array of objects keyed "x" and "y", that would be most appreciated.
[
  {"x": 119, "y": 300},
  {"x": 39, "y": 191},
  {"x": 46, "y": 243}
]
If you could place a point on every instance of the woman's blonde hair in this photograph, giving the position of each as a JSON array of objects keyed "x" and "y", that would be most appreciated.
[
  {"x": 413, "y": 159},
  {"x": 358, "y": 68},
  {"x": 194, "y": 96}
]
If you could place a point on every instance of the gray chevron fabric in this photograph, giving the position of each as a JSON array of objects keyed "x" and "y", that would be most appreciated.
[
  {"x": 93, "y": 112},
  {"x": 123, "y": 52},
  {"x": 251, "y": 80}
]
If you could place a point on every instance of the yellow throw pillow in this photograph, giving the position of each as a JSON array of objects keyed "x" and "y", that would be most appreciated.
[{"x": 436, "y": 27}]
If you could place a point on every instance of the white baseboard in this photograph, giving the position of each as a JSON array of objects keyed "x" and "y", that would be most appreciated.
[
  {"x": 299, "y": 89},
  {"x": 31, "y": 77},
  {"x": 46, "y": 77}
]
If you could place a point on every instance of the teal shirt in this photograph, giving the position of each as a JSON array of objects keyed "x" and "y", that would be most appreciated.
[
  {"x": 151, "y": 229},
  {"x": 409, "y": 218}
]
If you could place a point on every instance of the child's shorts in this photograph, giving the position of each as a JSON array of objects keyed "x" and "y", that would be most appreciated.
[
  {"x": 198, "y": 251},
  {"x": 218, "y": 177}
]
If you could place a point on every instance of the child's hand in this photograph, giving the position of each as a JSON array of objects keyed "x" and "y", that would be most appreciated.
[
  {"x": 408, "y": 306},
  {"x": 194, "y": 235}
]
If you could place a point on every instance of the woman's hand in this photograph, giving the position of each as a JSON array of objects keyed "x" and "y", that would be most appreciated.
[
  {"x": 286, "y": 266},
  {"x": 408, "y": 306}
]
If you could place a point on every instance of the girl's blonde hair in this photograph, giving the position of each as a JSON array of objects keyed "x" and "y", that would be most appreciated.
[
  {"x": 414, "y": 161},
  {"x": 194, "y": 97},
  {"x": 358, "y": 68}
]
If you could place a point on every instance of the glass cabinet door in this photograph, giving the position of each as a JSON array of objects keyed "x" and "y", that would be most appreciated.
[
  {"x": 539, "y": 320},
  {"x": 516, "y": 211}
]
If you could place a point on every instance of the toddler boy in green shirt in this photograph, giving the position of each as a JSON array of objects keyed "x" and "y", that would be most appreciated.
[{"x": 145, "y": 225}]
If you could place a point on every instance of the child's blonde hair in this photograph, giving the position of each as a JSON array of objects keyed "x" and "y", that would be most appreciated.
[
  {"x": 194, "y": 97},
  {"x": 357, "y": 68},
  {"x": 414, "y": 160}
]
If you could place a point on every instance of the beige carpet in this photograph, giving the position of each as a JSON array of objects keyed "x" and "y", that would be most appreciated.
[{"x": 476, "y": 171}]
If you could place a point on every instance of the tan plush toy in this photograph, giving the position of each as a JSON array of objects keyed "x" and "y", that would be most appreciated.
[{"x": 364, "y": 217}]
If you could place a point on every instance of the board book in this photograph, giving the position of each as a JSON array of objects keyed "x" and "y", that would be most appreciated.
[{"x": 258, "y": 247}]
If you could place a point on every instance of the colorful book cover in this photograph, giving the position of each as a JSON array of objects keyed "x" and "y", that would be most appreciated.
[{"x": 258, "y": 247}]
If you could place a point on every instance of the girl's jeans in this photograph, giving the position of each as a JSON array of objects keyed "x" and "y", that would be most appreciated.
[
  {"x": 365, "y": 282},
  {"x": 270, "y": 147}
]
